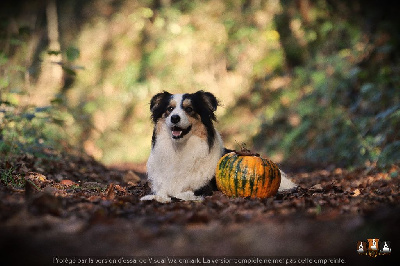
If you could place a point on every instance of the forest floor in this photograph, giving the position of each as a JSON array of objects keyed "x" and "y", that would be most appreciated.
[{"x": 54, "y": 211}]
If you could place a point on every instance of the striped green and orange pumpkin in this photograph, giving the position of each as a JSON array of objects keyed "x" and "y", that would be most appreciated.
[{"x": 243, "y": 174}]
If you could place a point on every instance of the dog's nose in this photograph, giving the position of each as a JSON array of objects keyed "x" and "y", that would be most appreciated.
[{"x": 175, "y": 119}]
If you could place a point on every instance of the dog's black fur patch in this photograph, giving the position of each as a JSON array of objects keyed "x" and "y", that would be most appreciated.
[
  {"x": 208, "y": 189},
  {"x": 158, "y": 105}
]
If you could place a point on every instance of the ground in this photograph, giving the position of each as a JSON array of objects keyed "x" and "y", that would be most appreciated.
[{"x": 72, "y": 206}]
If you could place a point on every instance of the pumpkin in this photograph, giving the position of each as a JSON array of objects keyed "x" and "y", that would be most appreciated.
[{"x": 244, "y": 174}]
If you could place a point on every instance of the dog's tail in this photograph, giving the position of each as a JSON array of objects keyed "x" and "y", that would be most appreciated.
[{"x": 286, "y": 183}]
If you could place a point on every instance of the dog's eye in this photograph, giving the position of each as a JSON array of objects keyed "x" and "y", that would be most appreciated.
[
  {"x": 189, "y": 109},
  {"x": 169, "y": 109}
]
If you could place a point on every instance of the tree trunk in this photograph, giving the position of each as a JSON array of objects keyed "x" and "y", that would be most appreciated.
[{"x": 51, "y": 75}]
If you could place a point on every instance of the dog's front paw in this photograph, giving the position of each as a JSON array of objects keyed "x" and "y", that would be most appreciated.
[
  {"x": 148, "y": 197},
  {"x": 189, "y": 195},
  {"x": 159, "y": 198}
]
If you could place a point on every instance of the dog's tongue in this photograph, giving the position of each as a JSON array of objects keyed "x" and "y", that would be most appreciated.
[{"x": 176, "y": 133}]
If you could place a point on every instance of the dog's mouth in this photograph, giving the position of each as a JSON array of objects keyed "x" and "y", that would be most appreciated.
[{"x": 178, "y": 132}]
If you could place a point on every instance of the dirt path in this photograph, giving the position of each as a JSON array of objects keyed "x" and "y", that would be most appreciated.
[{"x": 78, "y": 207}]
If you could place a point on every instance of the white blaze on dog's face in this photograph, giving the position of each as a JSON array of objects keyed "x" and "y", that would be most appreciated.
[{"x": 177, "y": 118}]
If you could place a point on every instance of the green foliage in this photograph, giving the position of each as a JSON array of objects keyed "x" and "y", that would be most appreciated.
[
  {"x": 28, "y": 133},
  {"x": 346, "y": 100},
  {"x": 6, "y": 175},
  {"x": 72, "y": 53},
  {"x": 316, "y": 83},
  {"x": 30, "y": 129},
  {"x": 8, "y": 178}
]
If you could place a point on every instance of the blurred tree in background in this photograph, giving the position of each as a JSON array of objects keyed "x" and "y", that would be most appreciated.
[{"x": 301, "y": 81}]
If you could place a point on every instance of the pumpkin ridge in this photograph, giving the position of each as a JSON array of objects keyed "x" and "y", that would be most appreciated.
[
  {"x": 235, "y": 180},
  {"x": 258, "y": 173},
  {"x": 243, "y": 178},
  {"x": 227, "y": 167},
  {"x": 265, "y": 164},
  {"x": 222, "y": 163},
  {"x": 272, "y": 174},
  {"x": 251, "y": 181},
  {"x": 264, "y": 177},
  {"x": 255, "y": 185},
  {"x": 230, "y": 166},
  {"x": 260, "y": 176},
  {"x": 270, "y": 171},
  {"x": 222, "y": 168},
  {"x": 229, "y": 162}
]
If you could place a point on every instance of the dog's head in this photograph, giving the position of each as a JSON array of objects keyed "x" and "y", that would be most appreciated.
[{"x": 185, "y": 114}]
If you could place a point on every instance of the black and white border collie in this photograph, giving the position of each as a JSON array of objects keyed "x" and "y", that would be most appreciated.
[{"x": 185, "y": 147}]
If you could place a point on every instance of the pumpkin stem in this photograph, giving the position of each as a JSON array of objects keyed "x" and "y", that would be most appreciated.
[{"x": 246, "y": 152}]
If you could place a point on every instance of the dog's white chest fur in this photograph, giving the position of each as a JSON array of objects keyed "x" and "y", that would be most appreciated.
[{"x": 171, "y": 162}]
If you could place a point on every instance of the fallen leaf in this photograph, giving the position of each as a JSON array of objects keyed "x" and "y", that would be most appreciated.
[
  {"x": 120, "y": 189},
  {"x": 316, "y": 187},
  {"x": 356, "y": 193},
  {"x": 110, "y": 193},
  {"x": 36, "y": 178},
  {"x": 68, "y": 183}
]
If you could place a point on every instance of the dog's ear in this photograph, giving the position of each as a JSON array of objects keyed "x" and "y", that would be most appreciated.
[
  {"x": 158, "y": 105},
  {"x": 158, "y": 99},
  {"x": 209, "y": 99}
]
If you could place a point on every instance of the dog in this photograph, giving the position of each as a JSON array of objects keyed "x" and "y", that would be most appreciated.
[{"x": 185, "y": 147}]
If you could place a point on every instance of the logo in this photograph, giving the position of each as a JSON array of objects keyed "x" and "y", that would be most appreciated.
[{"x": 373, "y": 247}]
